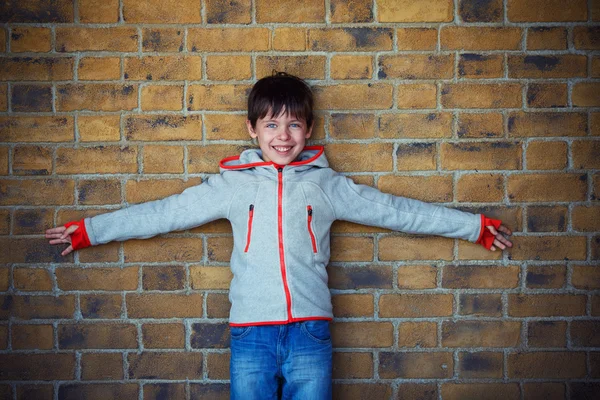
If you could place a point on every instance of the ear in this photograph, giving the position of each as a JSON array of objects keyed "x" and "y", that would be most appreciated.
[
  {"x": 253, "y": 134},
  {"x": 309, "y": 132}
]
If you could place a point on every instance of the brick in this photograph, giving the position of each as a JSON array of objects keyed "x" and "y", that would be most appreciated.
[
  {"x": 475, "y": 11},
  {"x": 32, "y": 160},
  {"x": 217, "y": 305},
  {"x": 96, "y": 39},
  {"x": 546, "y": 38},
  {"x": 351, "y": 67},
  {"x": 417, "y": 334},
  {"x": 585, "y": 333},
  {"x": 217, "y": 97},
  {"x": 416, "y": 66},
  {"x": 595, "y": 364},
  {"x": 164, "y": 305},
  {"x": 97, "y": 278},
  {"x": 148, "y": 190},
  {"x": 481, "y": 155},
  {"x": 290, "y": 39},
  {"x": 595, "y": 8},
  {"x": 480, "y": 38},
  {"x": 4, "y": 278},
  {"x": 551, "y": 277},
  {"x": 586, "y": 277},
  {"x": 219, "y": 249},
  {"x": 96, "y": 97},
  {"x": 305, "y": 67},
  {"x": 36, "y": 69},
  {"x": 162, "y": 39},
  {"x": 417, "y": 38},
  {"x": 546, "y": 155},
  {"x": 362, "y": 334},
  {"x": 26, "y": 250},
  {"x": 102, "y": 128},
  {"x": 546, "y": 218},
  {"x": 47, "y": 366},
  {"x": 32, "y": 337},
  {"x": 163, "y": 159},
  {"x": 225, "y": 127},
  {"x": 159, "y": 365},
  {"x": 543, "y": 391},
  {"x": 595, "y": 71},
  {"x": 34, "y": 391},
  {"x": 584, "y": 390},
  {"x": 92, "y": 192},
  {"x": 225, "y": 12},
  {"x": 164, "y": 390},
  {"x": 352, "y": 365},
  {"x": 163, "y": 250},
  {"x": 32, "y": 279},
  {"x": 6, "y": 391},
  {"x": 30, "y": 39},
  {"x": 491, "y": 391},
  {"x": 36, "y": 192},
  {"x": 415, "y": 305},
  {"x": 586, "y": 37},
  {"x": 210, "y": 277},
  {"x": 415, "y": 96},
  {"x": 99, "y": 160},
  {"x": 547, "y": 187},
  {"x": 545, "y": 305},
  {"x": 355, "y": 11},
  {"x": 348, "y": 157},
  {"x": 163, "y": 278},
  {"x": 417, "y": 277},
  {"x": 586, "y": 219},
  {"x": 546, "y": 11},
  {"x": 547, "y": 333},
  {"x": 539, "y": 66},
  {"x": 345, "y": 248},
  {"x": 416, "y": 365},
  {"x": 480, "y": 187},
  {"x": 3, "y": 97},
  {"x": 37, "y": 307},
  {"x": 56, "y": 11},
  {"x": 361, "y": 391},
  {"x": 414, "y": 247},
  {"x": 585, "y": 94},
  {"x": 168, "y": 68},
  {"x": 481, "y": 66},
  {"x": 480, "y": 365},
  {"x": 549, "y": 248},
  {"x": 31, "y": 98},
  {"x": 473, "y": 333},
  {"x": 99, "y": 68},
  {"x": 94, "y": 11},
  {"x": 470, "y": 95},
  {"x": 352, "y": 305},
  {"x": 480, "y": 125},
  {"x": 101, "y": 366},
  {"x": 117, "y": 391},
  {"x": 409, "y": 11},
  {"x": 100, "y": 305},
  {"x": 438, "y": 187},
  {"x": 350, "y": 39},
  {"x": 218, "y": 365},
  {"x": 97, "y": 336},
  {"x": 547, "y": 95},
  {"x": 595, "y": 305},
  {"x": 209, "y": 391},
  {"x": 209, "y": 335},
  {"x": 163, "y": 127},
  {"x": 351, "y": 126},
  {"x": 163, "y": 336},
  {"x": 162, "y": 12},
  {"x": 3, "y": 339},
  {"x": 489, "y": 305},
  {"x": 414, "y": 391},
  {"x": 229, "y": 67},
  {"x": 311, "y": 11},
  {"x": 362, "y": 277},
  {"x": 419, "y": 126},
  {"x": 544, "y": 124},
  {"x": 369, "y": 97},
  {"x": 549, "y": 365},
  {"x": 416, "y": 156},
  {"x": 228, "y": 39}
]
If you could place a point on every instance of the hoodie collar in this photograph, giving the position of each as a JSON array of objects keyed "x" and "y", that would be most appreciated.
[{"x": 311, "y": 156}]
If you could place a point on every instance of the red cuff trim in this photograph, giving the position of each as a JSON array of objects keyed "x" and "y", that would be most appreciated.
[
  {"x": 79, "y": 238},
  {"x": 486, "y": 238}
]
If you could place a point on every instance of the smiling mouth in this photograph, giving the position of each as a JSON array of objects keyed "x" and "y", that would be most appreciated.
[{"x": 282, "y": 149}]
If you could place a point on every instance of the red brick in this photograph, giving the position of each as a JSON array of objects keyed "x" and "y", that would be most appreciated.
[
  {"x": 97, "y": 366},
  {"x": 491, "y": 391},
  {"x": 473, "y": 333},
  {"x": 350, "y": 39},
  {"x": 228, "y": 39},
  {"x": 362, "y": 334},
  {"x": 162, "y": 12},
  {"x": 480, "y": 38},
  {"x": 159, "y": 365},
  {"x": 547, "y": 333},
  {"x": 546, "y": 11},
  {"x": 415, "y": 305},
  {"x": 549, "y": 365},
  {"x": 545, "y": 305},
  {"x": 32, "y": 337},
  {"x": 97, "y": 336},
  {"x": 410, "y": 11},
  {"x": 164, "y": 305},
  {"x": 399, "y": 126},
  {"x": 416, "y": 365},
  {"x": 97, "y": 278},
  {"x": 37, "y": 129},
  {"x": 480, "y": 365},
  {"x": 46, "y": 367}
]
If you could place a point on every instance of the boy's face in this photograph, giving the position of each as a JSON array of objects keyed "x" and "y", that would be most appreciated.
[{"x": 281, "y": 138}]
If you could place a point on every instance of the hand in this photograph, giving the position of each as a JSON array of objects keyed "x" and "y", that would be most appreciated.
[
  {"x": 62, "y": 235},
  {"x": 500, "y": 241}
]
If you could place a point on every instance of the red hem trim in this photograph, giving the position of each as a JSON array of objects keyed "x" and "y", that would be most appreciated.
[
  {"x": 267, "y": 163},
  {"x": 281, "y": 322},
  {"x": 482, "y": 228}
]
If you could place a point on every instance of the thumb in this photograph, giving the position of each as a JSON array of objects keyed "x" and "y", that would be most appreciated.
[
  {"x": 69, "y": 230},
  {"x": 492, "y": 229}
]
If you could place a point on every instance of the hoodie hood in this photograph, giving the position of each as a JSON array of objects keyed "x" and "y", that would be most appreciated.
[{"x": 311, "y": 156}]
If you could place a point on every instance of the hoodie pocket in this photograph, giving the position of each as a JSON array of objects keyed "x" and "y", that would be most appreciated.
[
  {"x": 249, "y": 235},
  {"x": 310, "y": 231}
]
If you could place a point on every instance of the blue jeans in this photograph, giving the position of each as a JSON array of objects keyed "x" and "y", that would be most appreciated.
[{"x": 291, "y": 361}]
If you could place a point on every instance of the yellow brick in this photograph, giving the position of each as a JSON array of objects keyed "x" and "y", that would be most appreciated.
[
  {"x": 481, "y": 66},
  {"x": 350, "y": 39},
  {"x": 205, "y": 159},
  {"x": 225, "y": 68},
  {"x": 219, "y": 249},
  {"x": 545, "y": 124},
  {"x": 305, "y": 67},
  {"x": 162, "y": 97},
  {"x": 289, "y": 39},
  {"x": 163, "y": 127},
  {"x": 348, "y": 157},
  {"x": 480, "y": 188},
  {"x": 162, "y": 39},
  {"x": 154, "y": 189},
  {"x": 228, "y": 12},
  {"x": 546, "y": 95},
  {"x": 595, "y": 124},
  {"x": 473, "y": 11},
  {"x": 32, "y": 160},
  {"x": 31, "y": 98},
  {"x": 585, "y": 154},
  {"x": 547, "y": 38},
  {"x": 480, "y": 38},
  {"x": 547, "y": 187},
  {"x": 99, "y": 68},
  {"x": 229, "y": 39},
  {"x": 417, "y": 38},
  {"x": 595, "y": 72},
  {"x": 417, "y": 277},
  {"x": 29, "y": 39},
  {"x": 162, "y": 11},
  {"x": 96, "y": 191},
  {"x": 415, "y": 11},
  {"x": 163, "y": 159},
  {"x": 226, "y": 127},
  {"x": 468, "y": 95},
  {"x": 32, "y": 221},
  {"x": 163, "y": 68},
  {"x": 546, "y": 155},
  {"x": 481, "y": 155},
  {"x": 434, "y": 188},
  {"x": 37, "y": 129},
  {"x": 416, "y": 156},
  {"x": 372, "y": 96},
  {"x": 351, "y": 67},
  {"x": 210, "y": 277},
  {"x": 586, "y": 38},
  {"x": 471, "y": 125},
  {"x": 99, "y": 160},
  {"x": 353, "y": 305},
  {"x": 289, "y": 11},
  {"x": 417, "y": 334},
  {"x": 416, "y": 66},
  {"x": 32, "y": 279},
  {"x": 585, "y": 94},
  {"x": 96, "y": 97},
  {"x": 36, "y": 192},
  {"x": 2, "y": 40},
  {"x": 217, "y": 97},
  {"x": 98, "y": 11},
  {"x": 417, "y": 96},
  {"x": 104, "y": 128},
  {"x": 96, "y": 39},
  {"x": 3, "y": 97},
  {"x": 38, "y": 12},
  {"x": 432, "y": 125},
  {"x": 351, "y": 11},
  {"x": 546, "y": 11},
  {"x": 3, "y": 165},
  {"x": 392, "y": 248},
  {"x": 538, "y": 66},
  {"x": 161, "y": 249},
  {"x": 586, "y": 219},
  {"x": 352, "y": 126},
  {"x": 344, "y": 248},
  {"x": 36, "y": 69}
]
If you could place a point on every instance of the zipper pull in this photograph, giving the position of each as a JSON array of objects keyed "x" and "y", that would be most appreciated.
[
  {"x": 279, "y": 169},
  {"x": 251, "y": 207},
  {"x": 309, "y": 211}
]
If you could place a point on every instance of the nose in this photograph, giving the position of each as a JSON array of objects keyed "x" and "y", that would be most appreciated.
[{"x": 284, "y": 134}]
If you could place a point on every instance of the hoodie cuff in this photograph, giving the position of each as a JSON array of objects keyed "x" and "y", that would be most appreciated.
[
  {"x": 79, "y": 238},
  {"x": 486, "y": 238}
]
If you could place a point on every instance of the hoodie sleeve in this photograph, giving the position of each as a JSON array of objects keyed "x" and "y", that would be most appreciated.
[
  {"x": 368, "y": 206},
  {"x": 195, "y": 206}
]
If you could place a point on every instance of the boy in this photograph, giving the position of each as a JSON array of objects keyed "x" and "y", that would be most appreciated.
[{"x": 281, "y": 201}]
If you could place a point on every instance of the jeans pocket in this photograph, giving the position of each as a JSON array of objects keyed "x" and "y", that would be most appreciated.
[
  {"x": 239, "y": 332},
  {"x": 317, "y": 331}
]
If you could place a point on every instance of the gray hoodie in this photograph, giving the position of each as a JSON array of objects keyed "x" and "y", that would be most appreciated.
[{"x": 281, "y": 218}]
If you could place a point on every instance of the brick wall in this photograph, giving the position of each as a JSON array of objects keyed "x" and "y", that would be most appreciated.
[{"x": 489, "y": 106}]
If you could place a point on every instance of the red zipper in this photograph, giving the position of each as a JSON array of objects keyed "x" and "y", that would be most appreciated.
[
  {"x": 250, "y": 216},
  {"x": 288, "y": 296},
  {"x": 312, "y": 235}
]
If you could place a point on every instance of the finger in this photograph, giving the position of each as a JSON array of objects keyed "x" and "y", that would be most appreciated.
[
  {"x": 60, "y": 241},
  {"x": 492, "y": 248},
  {"x": 504, "y": 240},
  {"x": 505, "y": 229},
  {"x": 69, "y": 230},
  {"x": 54, "y": 236},
  {"x": 67, "y": 250},
  {"x": 57, "y": 230},
  {"x": 499, "y": 244},
  {"x": 492, "y": 229}
]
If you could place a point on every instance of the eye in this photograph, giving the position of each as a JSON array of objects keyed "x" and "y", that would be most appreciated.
[
  {"x": 294, "y": 125},
  {"x": 271, "y": 126}
]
